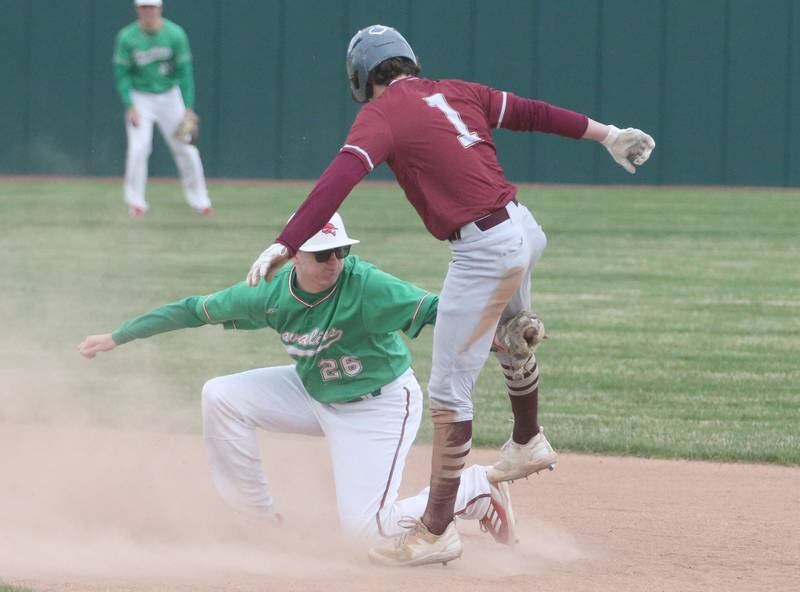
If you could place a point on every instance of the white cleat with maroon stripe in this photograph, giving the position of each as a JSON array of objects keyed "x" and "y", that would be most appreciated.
[
  {"x": 520, "y": 460},
  {"x": 418, "y": 546}
]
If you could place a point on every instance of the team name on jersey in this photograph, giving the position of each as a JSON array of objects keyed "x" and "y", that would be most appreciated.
[
  {"x": 317, "y": 339},
  {"x": 142, "y": 57}
]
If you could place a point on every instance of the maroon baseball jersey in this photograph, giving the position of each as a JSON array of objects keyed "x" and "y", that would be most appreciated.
[{"x": 436, "y": 137}]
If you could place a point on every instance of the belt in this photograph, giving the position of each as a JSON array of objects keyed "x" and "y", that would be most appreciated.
[
  {"x": 372, "y": 395},
  {"x": 485, "y": 223}
]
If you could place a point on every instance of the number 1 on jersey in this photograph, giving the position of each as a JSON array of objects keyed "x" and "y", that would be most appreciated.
[{"x": 466, "y": 137}]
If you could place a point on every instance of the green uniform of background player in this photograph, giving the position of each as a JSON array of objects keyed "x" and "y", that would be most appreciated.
[
  {"x": 153, "y": 70},
  {"x": 339, "y": 319}
]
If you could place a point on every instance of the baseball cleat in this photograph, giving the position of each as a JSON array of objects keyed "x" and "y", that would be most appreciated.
[
  {"x": 499, "y": 520},
  {"x": 418, "y": 546},
  {"x": 520, "y": 460},
  {"x": 136, "y": 212},
  {"x": 205, "y": 212}
]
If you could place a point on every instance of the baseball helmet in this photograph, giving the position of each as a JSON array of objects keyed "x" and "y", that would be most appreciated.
[
  {"x": 332, "y": 235},
  {"x": 368, "y": 48}
]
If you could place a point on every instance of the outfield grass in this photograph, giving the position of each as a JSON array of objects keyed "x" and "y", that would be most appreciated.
[
  {"x": 9, "y": 588},
  {"x": 673, "y": 314}
]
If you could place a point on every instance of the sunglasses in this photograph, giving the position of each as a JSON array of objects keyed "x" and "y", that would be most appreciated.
[{"x": 340, "y": 252}]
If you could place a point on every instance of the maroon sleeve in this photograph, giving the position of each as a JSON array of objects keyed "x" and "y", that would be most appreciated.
[
  {"x": 537, "y": 116},
  {"x": 331, "y": 189},
  {"x": 370, "y": 137}
]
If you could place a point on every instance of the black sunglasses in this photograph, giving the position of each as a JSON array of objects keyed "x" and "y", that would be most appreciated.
[{"x": 340, "y": 252}]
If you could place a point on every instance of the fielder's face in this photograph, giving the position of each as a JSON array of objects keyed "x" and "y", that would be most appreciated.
[
  {"x": 314, "y": 276},
  {"x": 149, "y": 17}
]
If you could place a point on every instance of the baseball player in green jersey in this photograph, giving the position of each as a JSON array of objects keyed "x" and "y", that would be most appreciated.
[
  {"x": 339, "y": 320},
  {"x": 153, "y": 70}
]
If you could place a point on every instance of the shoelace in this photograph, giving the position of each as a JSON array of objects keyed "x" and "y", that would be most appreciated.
[{"x": 412, "y": 526}]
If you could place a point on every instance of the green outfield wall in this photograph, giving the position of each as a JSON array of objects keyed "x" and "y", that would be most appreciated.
[{"x": 716, "y": 82}]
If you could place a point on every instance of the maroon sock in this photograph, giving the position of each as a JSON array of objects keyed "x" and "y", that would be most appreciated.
[
  {"x": 451, "y": 445},
  {"x": 524, "y": 395},
  {"x": 526, "y": 417}
]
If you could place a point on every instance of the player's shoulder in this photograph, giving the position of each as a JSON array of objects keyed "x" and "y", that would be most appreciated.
[
  {"x": 173, "y": 28},
  {"x": 464, "y": 87},
  {"x": 356, "y": 266},
  {"x": 128, "y": 31}
]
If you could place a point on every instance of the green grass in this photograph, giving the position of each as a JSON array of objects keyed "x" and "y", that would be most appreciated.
[
  {"x": 9, "y": 588},
  {"x": 673, "y": 314}
]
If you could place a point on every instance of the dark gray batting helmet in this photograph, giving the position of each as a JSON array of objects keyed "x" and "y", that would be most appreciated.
[{"x": 368, "y": 48}]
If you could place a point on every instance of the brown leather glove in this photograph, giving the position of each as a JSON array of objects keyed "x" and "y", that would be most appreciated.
[
  {"x": 519, "y": 337},
  {"x": 188, "y": 130}
]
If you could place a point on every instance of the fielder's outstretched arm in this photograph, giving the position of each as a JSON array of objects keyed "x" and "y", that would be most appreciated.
[{"x": 237, "y": 307}]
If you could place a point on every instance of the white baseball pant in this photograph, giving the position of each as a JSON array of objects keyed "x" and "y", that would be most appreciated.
[
  {"x": 488, "y": 280},
  {"x": 166, "y": 111},
  {"x": 368, "y": 442}
]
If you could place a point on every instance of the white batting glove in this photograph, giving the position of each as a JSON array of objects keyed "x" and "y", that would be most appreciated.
[
  {"x": 628, "y": 147},
  {"x": 268, "y": 262}
]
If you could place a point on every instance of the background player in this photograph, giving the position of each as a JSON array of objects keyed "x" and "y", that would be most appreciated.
[
  {"x": 338, "y": 318},
  {"x": 153, "y": 69},
  {"x": 436, "y": 136}
]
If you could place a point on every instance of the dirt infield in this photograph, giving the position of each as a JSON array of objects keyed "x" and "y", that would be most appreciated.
[{"x": 92, "y": 509}]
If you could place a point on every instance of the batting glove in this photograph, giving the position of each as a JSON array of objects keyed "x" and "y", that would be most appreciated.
[
  {"x": 268, "y": 262},
  {"x": 628, "y": 147}
]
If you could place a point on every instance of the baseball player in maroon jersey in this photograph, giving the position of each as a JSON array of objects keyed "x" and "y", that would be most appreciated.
[{"x": 436, "y": 136}]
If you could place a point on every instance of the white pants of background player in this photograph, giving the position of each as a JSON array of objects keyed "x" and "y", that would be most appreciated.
[
  {"x": 368, "y": 442},
  {"x": 488, "y": 280},
  {"x": 166, "y": 111}
]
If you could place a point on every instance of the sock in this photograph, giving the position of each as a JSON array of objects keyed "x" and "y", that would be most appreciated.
[
  {"x": 524, "y": 396},
  {"x": 451, "y": 445}
]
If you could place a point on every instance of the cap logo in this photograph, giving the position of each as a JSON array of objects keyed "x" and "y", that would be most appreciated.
[
  {"x": 329, "y": 229},
  {"x": 378, "y": 30}
]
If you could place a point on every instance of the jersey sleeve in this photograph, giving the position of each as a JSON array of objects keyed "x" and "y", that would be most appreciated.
[
  {"x": 238, "y": 307},
  {"x": 390, "y": 304},
  {"x": 122, "y": 65},
  {"x": 492, "y": 101},
  {"x": 370, "y": 137},
  {"x": 184, "y": 75}
]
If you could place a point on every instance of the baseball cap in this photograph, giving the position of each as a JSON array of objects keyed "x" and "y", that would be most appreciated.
[
  {"x": 332, "y": 235},
  {"x": 147, "y": 2}
]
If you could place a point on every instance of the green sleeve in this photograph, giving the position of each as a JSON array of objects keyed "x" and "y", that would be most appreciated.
[
  {"x": 237, "y": 307},
  {"x": 122, "y": 71},
  {"x": 390, "y": 304},
  {"x": 184, "y": 74}
]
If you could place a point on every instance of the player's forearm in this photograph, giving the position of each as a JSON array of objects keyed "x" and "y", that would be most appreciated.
[
  {"x": 184, "y": 76},
  {"x": 331, "y": 189},
  {"x": 596, "y": 131},
  {"x": 425, "y": 315},
  {"x": 124, "y": 84},
  {"x": 178, "y": 315},
  {"x": 537, "y": 116}
]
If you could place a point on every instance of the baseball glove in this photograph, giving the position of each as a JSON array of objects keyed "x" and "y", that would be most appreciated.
[
  {"x": 519, "y": 337},
  {"x": 188, "y": 130}
]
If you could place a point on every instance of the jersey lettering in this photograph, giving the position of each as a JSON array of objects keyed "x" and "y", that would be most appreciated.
[
  {"x": 466, "y": 137},
  {"x": 329, "y": 369}
]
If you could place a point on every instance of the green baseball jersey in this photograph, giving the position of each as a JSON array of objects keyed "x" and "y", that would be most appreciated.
[
  {"x": 153, "y": 62},
  {"x": 345, "y": 341}
]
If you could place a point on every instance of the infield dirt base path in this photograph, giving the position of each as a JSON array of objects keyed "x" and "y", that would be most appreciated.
[{"x": 88, "y": 509}]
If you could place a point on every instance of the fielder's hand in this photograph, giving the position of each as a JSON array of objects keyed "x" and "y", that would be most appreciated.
[
  {"x": 188, "y": 130},
  {"x": 94, "y": 344},
  {"x": 132, "y": 116},
  {"x": 268, "y": 262},
  {"x": 628, "y": 147}
]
